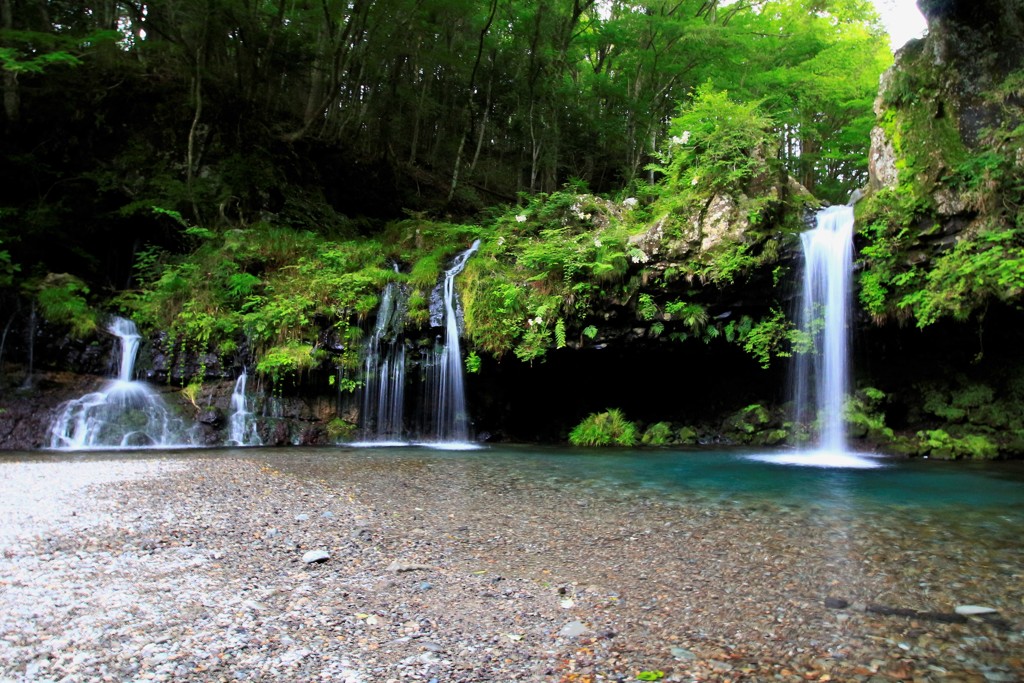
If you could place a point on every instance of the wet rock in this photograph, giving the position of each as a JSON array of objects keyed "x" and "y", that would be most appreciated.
[
  {"x": 211, "y": 416},
  {"x": 682, "y": 653}
]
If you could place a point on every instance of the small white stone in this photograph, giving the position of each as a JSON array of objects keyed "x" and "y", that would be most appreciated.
[
  {"x": 574, "y": 629},
  {"x": 316, "y": 556},
  {"x": 972, "y": 610}
]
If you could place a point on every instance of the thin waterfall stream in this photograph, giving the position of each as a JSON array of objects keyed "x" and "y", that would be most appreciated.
[
  {"x": 383, "y": 405},
  {"x": 447, "y": 392},
  {"x": 822, "y": 376},
  {"x": 242, "y": 423}
]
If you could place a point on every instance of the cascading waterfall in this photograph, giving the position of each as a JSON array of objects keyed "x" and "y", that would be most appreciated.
[
  {"x": 124, "y": 413},
  {"x": 445, "y": 382},
  {"x": 822, "y": 377},
  {"x": 242, "y": 424},
  {"x": 383, "y": 402}
]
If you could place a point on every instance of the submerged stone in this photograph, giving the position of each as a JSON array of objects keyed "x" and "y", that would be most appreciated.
[
  {"x": 974, "y": 610},
  {"x": 574, "y": 629}
]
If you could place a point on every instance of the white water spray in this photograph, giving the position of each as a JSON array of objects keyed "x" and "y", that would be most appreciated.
[
  {"x": 383, "y": 406},
  {"x": 124, "y": 413},
  {"x": 242, "y": 423},
  {"x": 822, "y": 375},
  {"x": 446, "y": 386}
]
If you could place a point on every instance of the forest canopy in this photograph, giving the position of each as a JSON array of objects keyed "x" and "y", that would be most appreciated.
[{"x": 135, "y": 128}]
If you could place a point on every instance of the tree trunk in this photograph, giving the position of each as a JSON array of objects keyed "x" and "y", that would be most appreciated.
[
  {"x": 12, "y": 98},
  {"x": 190, "y": 169}
]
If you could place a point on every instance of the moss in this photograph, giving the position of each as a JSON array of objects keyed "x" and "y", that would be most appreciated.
[
  {"x": 340, "y": 430},
  {"x": 864, "y": 416},
  {"x": 688, "y": 436},
  {"x": 937, "y": 443},
  {"x": 749, "y": 424},
  {"x": 907, "y": 273},
  {"x": 657, "y": 434}
]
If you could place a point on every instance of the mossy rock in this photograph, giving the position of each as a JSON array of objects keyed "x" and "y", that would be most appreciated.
[
  {"x": 658, "y": 434},
  {"x": 688, "y": 436},
  {"x": 747, "y": 421},
  {"x": 771, "y": 437},
  {"x": 939, "y": 444},
  {"x": 907, "y": 446}
]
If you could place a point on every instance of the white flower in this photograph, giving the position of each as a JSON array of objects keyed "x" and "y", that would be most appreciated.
[
  {"x": 597, "y": 243},
  {"x": 521, "y": 218},
  {"x": 629, "y": 202},
  {"x": 695, "y": 180},
  {"x": 638, "y": 256},
  {"x": 686, "y": 137}
]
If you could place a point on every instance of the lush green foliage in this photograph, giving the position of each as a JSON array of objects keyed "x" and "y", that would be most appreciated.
[
  {"x": 214, "y": 179},
  {"x": 610, "y": 428},
  {"x": 716, "y": 144},
  {"x": 62, "y": 300},
  {"x": 270, "y": 287},
  {"x": 938, "y": 444},
  {"x": 824, "y": 119},
  {"x": 864, "y": 415},
  {"x": 938, "y": 175}
]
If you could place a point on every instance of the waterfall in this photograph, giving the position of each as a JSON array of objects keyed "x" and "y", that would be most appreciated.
[
  {"x": 242, "y": 424},
  {"x": 129, "y": 337},
  {"x": 124, "y": 413},
  {"x": 445, "y": 384},
  {"x": 383, "y": 402},
  {"x": 822, "y": 377}
]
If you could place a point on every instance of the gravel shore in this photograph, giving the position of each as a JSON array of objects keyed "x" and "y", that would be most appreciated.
[{"x": 203, "y": 569}]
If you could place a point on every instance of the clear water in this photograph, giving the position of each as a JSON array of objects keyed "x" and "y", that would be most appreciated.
[
  {"x": 903, "y": 489},
  {"x": 687, "y": 476}
]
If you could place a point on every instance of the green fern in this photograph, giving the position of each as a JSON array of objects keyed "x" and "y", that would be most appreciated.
[{"x": 610, "y": 428}]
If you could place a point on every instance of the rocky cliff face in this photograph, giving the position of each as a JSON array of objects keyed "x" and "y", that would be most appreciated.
[
  {"x": 954, "y": 94},
  {"x": 941, "y": 233}
]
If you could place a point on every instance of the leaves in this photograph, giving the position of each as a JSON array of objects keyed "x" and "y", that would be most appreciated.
[{"x": 610, "y": 428}]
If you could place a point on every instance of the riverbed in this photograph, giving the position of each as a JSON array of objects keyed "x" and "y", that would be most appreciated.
[{"x": 504, "y": 565}]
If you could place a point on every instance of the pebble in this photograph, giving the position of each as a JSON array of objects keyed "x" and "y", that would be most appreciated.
[
  {"x": 974, "y": 610},
  {"x": 178, "y": 572},
  {"x": 573, "y": 629},
  {"x": 314, "y": 556},
  {"x": 401, "y": 566}
]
